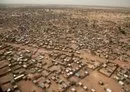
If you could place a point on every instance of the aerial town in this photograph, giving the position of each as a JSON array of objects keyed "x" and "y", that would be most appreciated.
[{"x": 64, "y": 50}]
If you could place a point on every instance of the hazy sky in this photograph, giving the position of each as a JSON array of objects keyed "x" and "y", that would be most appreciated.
[{"x": 121, "y": 3}]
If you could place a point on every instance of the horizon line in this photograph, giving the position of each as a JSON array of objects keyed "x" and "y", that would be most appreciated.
[{"x": 63, "y": 5}]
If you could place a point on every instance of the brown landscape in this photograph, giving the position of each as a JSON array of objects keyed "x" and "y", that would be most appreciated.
[{"x": 64, "y": 49}]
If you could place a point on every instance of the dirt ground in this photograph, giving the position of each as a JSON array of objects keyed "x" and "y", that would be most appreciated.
[
  {"x": 91, "y": 81},
  {"x": 84, "y": 31}
]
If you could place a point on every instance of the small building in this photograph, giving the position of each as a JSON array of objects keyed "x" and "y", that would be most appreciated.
[
  {"x": 17, "y": 78},
  {"x": 85, "y": 87},
  {"x": 73, "y": 90},
  {"x": 93, "y": 90},
  {"x": 121, "y": 83},
  {"x": 108, "y": 90},
  {"x": 80, "y": 84}
]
